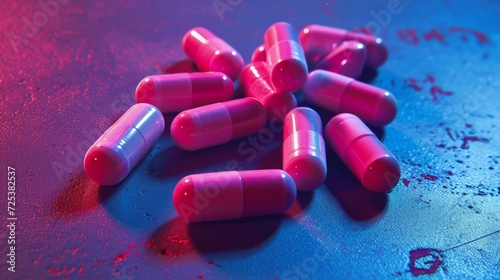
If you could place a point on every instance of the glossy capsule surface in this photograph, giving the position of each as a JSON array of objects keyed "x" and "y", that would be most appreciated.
[
  {"x": 285, "y": 57},
  {"x": 256, "y": 83},
  {"x": 361, "y": 151},
  {"x": 317, "y": 41},
  {"x": 341, "y": 94},
  {"x": 347, "y": 59},
  {"x": 304, "y": 149},
  {"x": 259, "y": 54},
  {"x": 233, "y": 194},
  {"x": 211, "y": 53},
  {"x": 217, "y": 123},
  {"x": 178, "y": 92},
  {"x": 111, "y": 158}
]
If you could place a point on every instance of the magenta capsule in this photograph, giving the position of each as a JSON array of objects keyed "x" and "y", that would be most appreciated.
[
  {"x": 347, "y": 59},
  {"x": 233, "y": 194},
  {"x": 317, "y": 41},
  {"x": 259, "y": 54},
  {"x": 217, "y": 123},
  {"x": 341, "y": 94},
  {"x": 211, "y": 53},
  {"x": 285, "y": 57},
  {"x": 256, "y": 82},
  {"x": 178, "y": 92},
  {"x": 111, "y": 158},
  {"x": 304, "y": 148},
  {"x": 361, "y": 151}
]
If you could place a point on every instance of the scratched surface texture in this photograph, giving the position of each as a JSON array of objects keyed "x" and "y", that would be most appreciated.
[{"x": 68, "y": 70}]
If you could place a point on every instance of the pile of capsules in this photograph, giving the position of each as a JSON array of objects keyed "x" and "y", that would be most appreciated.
[{"x": 208, "y": 117}]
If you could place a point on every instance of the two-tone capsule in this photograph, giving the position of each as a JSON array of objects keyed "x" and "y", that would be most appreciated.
[
  {"x": 211, "y": 53},
  {"x": 304, "y": 148},
  {"x": 111, "y": 158},
  {"x": 361, "y": 151},
  {"x": 173, "y": 93},
  {"x": 256, "y": 83},
  {"x": 347, "y": 59},
  {"x": 341, "y": 94},
  {"x": 217, "y": 123},
  {"x": 233, "y": 194},
  {"x": 285, "y": 57},
  {"x": 317, "y": 41}
]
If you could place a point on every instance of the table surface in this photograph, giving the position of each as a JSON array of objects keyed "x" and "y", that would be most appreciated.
[{"x": 69, "y": 70}]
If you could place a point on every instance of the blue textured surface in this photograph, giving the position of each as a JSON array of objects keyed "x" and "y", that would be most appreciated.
[{"x": 64, "y": 82}]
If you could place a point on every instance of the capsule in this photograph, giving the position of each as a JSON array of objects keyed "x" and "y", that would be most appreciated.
[
  {"x": 211, "y": 53},
  {"x": 217, "y": 123},
  {"x": 317, "y": 41},
  {"x": 233, "y": 194},
  {"x": 256, "y": 83},
  {"x": 178, "y": 92},
  {"x": 361, "y": 151},
  {"x": 259, "y": 54},
  {"x": 285, "y": 57},
  {"x": 304, "y": 148},
  {"x": 347, "y": 59},
  {"x": 341, "y": 94},
  {"x": 111, "y": 158}
]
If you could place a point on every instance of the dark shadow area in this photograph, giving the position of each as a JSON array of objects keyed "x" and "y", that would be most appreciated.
[
  {"x": 301, "y": 203},
  {"x": 79, "y": 196},
  {"x": 368, "y": 75},
  {"x": 184, "y": 65},
  {"x": 233, "y": 235},
  {"x": 379, "y": 131},
  {"x": 359, "y": 203},
  {"x": 271, "y": 158}
]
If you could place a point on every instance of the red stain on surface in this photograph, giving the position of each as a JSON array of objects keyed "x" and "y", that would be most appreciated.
[
  {"x": 433, "y": 34},
  {"x": 467, "y": 139},
  {"x": 408, "y": 36},
  {"x": 448, "y": 131},
  {"x": 425, "y": 261},
  {"x": 201, "y": 277},
  {"x": 100, "y": 261},
  {"x": 429, "y": 78},
  {"x": 413, "y": 83},
  {"x": 80, "y": 271},
  {"x": 406, "y": 182},
  {"x": 481, "y": 37},
  {"x": 429, "y": 177},
  {"x": 120, "y": 257},
  {"x": 437, "y": 90},
  {"x": 449, "y": 173}
]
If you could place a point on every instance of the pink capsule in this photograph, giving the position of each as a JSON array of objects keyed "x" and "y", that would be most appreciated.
[
  {"x": 233, "y": 194},
  {"x": 317, "y": 41},
  {"x": 111, "y": 158},
  {"x": 256, "y": 82},
  {"x": 211, "y": 53},
  {"x": 259, "y": 54},
  {"x": 177, "y": 92},
  {"x": 304, "y": 149},
  {"x": 341, "y": 94},
  {"x": 285, "y": 57},
  {"x": 347, "y": 59},
  {"x": 217, "y": 123},
  {"x": 356, "y": 145}
]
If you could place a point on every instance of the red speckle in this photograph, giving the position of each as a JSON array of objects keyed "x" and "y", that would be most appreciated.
[
  {"x": 429, "y": 79},
  {"x": 210, "y": 262},
  {"x": 121, "y": 257},
  {"x": 441, "y": 124},
  {"x": 448, "y": 131},
  {"x": 468, "y": 125},
  {"x": 468, "y": 139},
  {"x": 481, "y": 37},
  {"x": 450, "y": 173},
  {"x": 80, "y": 271},
  {"x": 327, "y": 7},
  {"x": 406, "y": 182},
  {"x": 364, "y": 30},
  {"x": 429, "y": 177},
  {"x": 100, "y": 261},
  {"x": 408, "y": 36},
  {"x": 54, "y": 271},
  {"x": 434, "y": 34},
  {"x": 201, "y": 276},
  {"x": 435, "y": 90},
  {"x": 413, "y": 83},
  {"x": 425, "y": 261},
  {"x": 441, "y": 145}
]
